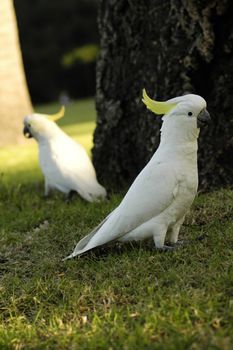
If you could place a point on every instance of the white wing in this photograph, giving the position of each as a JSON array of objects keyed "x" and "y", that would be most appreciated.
[
  {"x": 67, "y": 166},
  {"x": 151, "y": 193}
]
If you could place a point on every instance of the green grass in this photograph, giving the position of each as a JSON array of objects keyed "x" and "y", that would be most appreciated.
[{"x": 121, "y": 296}]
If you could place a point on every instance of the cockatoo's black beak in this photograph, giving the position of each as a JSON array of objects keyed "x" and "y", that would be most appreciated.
[
  {"x": 203, "y": 118},
  {"x": 26, "y": 132}
]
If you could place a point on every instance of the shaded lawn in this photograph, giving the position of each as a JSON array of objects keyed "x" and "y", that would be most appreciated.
[{"x": 118, "y": 297}]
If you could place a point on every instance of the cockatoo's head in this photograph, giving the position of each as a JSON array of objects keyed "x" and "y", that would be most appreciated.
[
  {"x": 41, "y": 126},
  {"x": 186, "y": 113}
]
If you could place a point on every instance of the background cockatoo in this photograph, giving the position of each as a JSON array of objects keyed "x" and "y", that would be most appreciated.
[
  {"x": 159, "y": 198},
  {"x": 64, "y": 163}
]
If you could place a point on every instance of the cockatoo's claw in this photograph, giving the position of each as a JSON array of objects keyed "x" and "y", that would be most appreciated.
[
  {"x": 166, "y": 248},
  {"x": 108, "y": 196},
  {"x": 70, "y": 195}
]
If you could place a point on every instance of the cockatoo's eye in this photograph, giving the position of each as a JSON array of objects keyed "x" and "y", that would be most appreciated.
[
  {"x": 27, "y": 131},
  {"x": 190, "y": 114}
]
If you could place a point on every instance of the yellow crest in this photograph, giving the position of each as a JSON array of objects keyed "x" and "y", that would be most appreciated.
[
  {"x": 156, "y": 106},
  {"x": 56, "y": 116}
]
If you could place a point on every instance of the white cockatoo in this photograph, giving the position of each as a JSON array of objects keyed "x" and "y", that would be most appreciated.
[
  {"x": 159, "y": 198},
  {"x": 64, "y": 163}
]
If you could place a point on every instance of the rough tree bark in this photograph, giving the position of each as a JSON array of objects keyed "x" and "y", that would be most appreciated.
[
  {"x": 14, "y": 98},
  {"x": 170, "y": 47}
]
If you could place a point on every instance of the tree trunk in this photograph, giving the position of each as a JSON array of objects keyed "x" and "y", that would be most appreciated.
[
  {"x": 170, "y": 47},
  {"x": 14, "y": 97}
]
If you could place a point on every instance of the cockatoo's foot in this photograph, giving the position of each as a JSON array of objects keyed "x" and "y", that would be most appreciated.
[
  {"x": 108, "y": 197},
  {"x": 166, "y": 248},
  {"x": 46, "y": 194},
  {"x": 180, "y": 242},
  {"x": 69, "y": 196}
]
